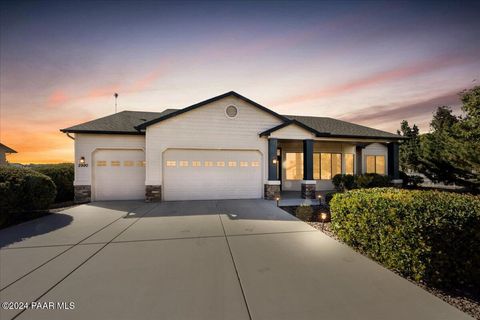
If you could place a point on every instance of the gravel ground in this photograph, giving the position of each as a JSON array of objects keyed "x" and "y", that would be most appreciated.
[{"x": 467, "y": 300}]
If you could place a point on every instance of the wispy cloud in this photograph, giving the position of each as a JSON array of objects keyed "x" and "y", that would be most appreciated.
[{"x": 397, "y": 73}]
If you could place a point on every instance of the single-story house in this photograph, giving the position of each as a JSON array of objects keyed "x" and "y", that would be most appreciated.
[
  {"x": 226, "y": 147},
  {"x": 3, "y": 153}
]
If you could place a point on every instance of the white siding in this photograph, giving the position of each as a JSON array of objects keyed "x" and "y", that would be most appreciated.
[
  {"x": 292, "y": 131},
  {"x": 208, "y": 128},
  {"x": 374, "y": 149},
  {"x": 86, "y": 144}
]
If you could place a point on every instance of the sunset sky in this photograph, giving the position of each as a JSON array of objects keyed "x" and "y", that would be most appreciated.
[{"x": 373, "y": 63}]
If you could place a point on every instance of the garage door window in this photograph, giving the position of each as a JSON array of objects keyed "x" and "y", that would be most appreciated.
[
  {"x": 141, "y": 163},
  {"x": 196, "y": 163},
  {"x": 128, "y": 163},
  {"x": 208, "y": 163},
  {"x": 232, "y": 163},
  {"x": 243, "y": 163},
  {"x": 101, "y": 163},
  {"x": 171, "y": 163},
  {"x": 255, "y": 164},
  {"x": 220, "y": 163},
  {"x": 115, "y": 163},
  {"x": 183, "y": 163}
]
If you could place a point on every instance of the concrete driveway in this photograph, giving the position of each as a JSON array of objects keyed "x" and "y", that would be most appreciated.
[{"x": 232, "y": 259}]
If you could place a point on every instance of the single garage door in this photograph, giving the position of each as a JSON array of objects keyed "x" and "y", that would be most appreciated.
[
  {"x": 119, "y": 175},
  {"x": 211, "y": 174}
]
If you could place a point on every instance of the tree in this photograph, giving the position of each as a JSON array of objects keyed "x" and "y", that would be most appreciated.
[
  {"x": 409, "y": 149},
  {"x": 450, "y": 153}
]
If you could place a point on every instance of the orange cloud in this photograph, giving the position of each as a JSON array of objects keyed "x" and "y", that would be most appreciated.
[
  {"x": 399, "y": 73},
  {"x": 56, "y": 98}
]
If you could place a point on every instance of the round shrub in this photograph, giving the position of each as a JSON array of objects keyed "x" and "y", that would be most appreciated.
[
  {"x": 304, "y": 212},
  {"x": 427, "y": 236},
  {"x": 24, "y": 190},
  {"x": 344, "y": 182},
  {"x": 329, "y": 196},
  {"x": 62, "y": 175}
]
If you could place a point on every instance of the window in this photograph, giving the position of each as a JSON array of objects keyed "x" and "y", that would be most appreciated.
[
  {"x": 208, "y": 163},
  {"x": 196, "y": 164},
  {"x": 128, "y": 163},
  {"x": 232, "y": 163},
  {"x": 141, "y": 163},
  {"x": 101, "y": 163},
  {"x": 376, "y": 164},
  {"x": 115, "y": 163},
  {"x": 171, "y": 163},
  {"x": 243, "y": 163},
  {"x": 255, "y": 164},
  {"x": 294, "y": 165},
  {"x": 220, "y": 163},
  {"x": 316, "y": 166},
  {"x": 183, "y": 163},
  {"x": 231, "y": 111},
  {"x": 349, "y": 163},
  {"x": 330, "y": 165}
]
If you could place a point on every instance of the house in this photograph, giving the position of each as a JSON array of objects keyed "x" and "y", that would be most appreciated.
[
  {"x": 227, "y": 147},
  {"x": 3, "y": 154}
]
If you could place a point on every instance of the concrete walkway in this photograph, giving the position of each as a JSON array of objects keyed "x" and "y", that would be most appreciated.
[{"x": 232, "y": 259}]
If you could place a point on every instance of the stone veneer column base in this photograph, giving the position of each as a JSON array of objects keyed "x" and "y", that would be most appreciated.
[
  {"x": 308, "y": 190},
  {"x": 271, "y": 191},
  {"x": 397, "y": 183},
  {"x": 153, "y": 193},
  {"x": 82, "y": 194}
]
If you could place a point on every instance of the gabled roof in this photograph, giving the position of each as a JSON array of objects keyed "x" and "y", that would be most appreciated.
[
  {"x": 200, "y": 104},
  {"x": 133, "y": 122},
  {"x": 295, "y": 122},
  {"x": 6, "y": 149},
  {"x": 343, "y": 129},
  {"x": 119, "y": 123}
]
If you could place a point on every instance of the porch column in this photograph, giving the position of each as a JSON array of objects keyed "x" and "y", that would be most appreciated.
[
  {"x": 308, "y": 184},
  {"x": 394, "y": 162},
  {"x": 359, "y": 158},
  {"x": 272, "y": 187}
]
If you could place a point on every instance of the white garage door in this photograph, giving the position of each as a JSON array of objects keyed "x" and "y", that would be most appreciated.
[
  {"x": 119, "y": 175},
  {"x": 211, "y": 174}
]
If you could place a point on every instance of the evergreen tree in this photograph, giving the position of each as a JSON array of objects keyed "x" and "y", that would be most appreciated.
[{"x": 409, "y": 149}]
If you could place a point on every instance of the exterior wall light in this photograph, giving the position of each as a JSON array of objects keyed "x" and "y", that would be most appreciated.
[
  {"x": 82, "y": 160},
  {"x": 274, "y": 161},
  {"x": 323, "y": 217}
]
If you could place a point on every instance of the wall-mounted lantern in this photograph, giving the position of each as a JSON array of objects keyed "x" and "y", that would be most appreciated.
[{"x": 82, "y": 162}]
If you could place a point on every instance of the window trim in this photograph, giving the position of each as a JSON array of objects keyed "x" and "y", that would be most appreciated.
[{"x": 354, "y": 163}]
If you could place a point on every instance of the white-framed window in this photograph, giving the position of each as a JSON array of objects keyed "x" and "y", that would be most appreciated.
[
  {"x": 196, "y": 163},
  {"x": 171, "y": 163},
  {"x": 349, "y": 163},
  {"x": 294, "y": 165},
  {"x": 115, "y": 163},
  {"x": 328, "y": 165},
  {"x": 376, "y": 164}
]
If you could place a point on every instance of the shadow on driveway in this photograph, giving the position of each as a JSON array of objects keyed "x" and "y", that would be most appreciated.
[{"x": 33, "y": 228}]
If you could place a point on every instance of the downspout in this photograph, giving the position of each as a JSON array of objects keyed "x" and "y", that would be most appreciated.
[{"x": 68, "y": 135}]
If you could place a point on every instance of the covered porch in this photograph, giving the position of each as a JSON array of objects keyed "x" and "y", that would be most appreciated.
[{"x": 300, "y": 169}]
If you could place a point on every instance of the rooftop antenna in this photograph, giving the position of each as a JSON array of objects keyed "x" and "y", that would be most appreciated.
[{"x": 116, "y": 97}]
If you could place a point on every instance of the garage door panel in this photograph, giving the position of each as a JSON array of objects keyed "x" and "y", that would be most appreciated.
[
  {"x": 119, "y": 175},
  {"x": 199, "y": 174}
]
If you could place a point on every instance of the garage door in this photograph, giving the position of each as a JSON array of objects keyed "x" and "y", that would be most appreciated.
[
  {"x": 211, "y": 174},
  {"x": 119, "y": 175}
]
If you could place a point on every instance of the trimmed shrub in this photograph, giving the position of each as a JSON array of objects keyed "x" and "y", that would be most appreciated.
[
  {"x": 343, "y": 182},
  {"x": 427, "y": 236},
  {"x": 329, "y": 197},
  {"x": 62, "y": 175},
  {"x": 304, "y": 212},
  {"x": 22, "y": 190}
]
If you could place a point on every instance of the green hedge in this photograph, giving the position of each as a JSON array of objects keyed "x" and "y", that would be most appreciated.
[
  {"x": 344, "y": 182},
  {"x": 427, "y": 236},
  {"x": 62, "y": 175},
  {"x": 22, "y": 190}
]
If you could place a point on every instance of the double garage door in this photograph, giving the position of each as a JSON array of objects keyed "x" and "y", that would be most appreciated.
[
  {"x": 187, "y": 174},
  {"x": 211, "y": 174}
]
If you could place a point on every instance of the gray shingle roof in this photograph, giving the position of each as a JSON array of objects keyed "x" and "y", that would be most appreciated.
[
  {"x": 342, "y": 128},
  {"x": 6, "y": 149},
  {"x": 124, "y": 123}
]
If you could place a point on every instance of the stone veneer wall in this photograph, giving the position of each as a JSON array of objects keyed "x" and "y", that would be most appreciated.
[
  {"x": 153, "y": 193},
  {"x": 82, "y": 194},
  {"x": 271, "y": 191},
  {"x": 308, "y": 191}
]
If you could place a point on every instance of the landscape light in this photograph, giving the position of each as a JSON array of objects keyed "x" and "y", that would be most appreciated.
[
  {"x": 319, "y": 197},
  {"x": 323, "y": 217},
  {"x": 278, "y": 200}
]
